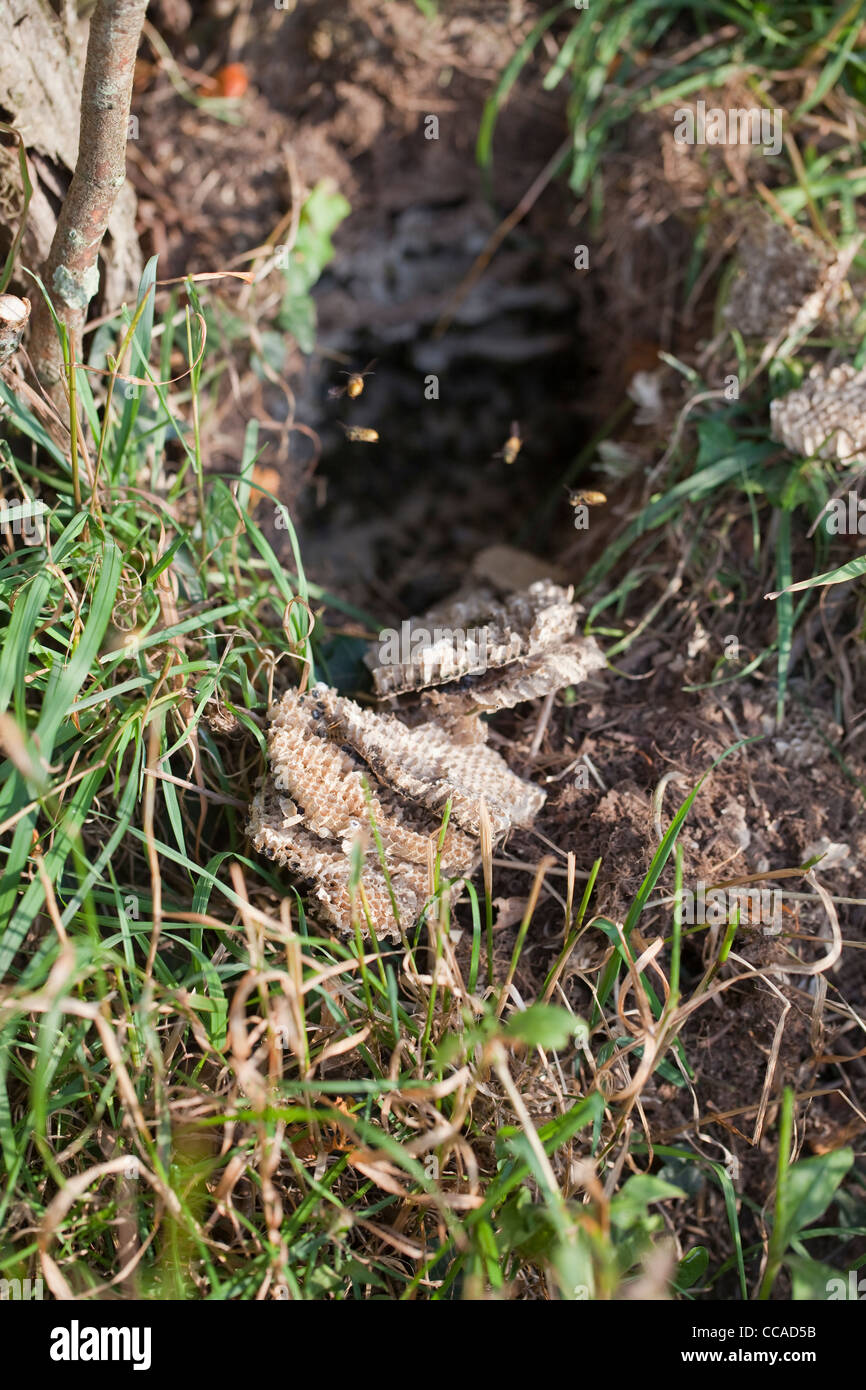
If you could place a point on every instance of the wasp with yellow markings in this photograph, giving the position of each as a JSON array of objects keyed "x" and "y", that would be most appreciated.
[
  {"x": 512, "y": 446},
  {"x": 355, "y": 385},
  {"x": 357, "y": 434},
  {"x": 586, "y": 498}
]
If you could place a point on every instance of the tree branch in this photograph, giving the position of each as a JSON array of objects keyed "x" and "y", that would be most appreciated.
[{"x": 71, "y": 273}]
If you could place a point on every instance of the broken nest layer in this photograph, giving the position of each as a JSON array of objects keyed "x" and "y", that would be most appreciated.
[
  {"x": 322, "y": 748},
  {"x": 826, "y": 416},
  {"x": 335, "y": 768},
  {"x": 479, "y": 653}
]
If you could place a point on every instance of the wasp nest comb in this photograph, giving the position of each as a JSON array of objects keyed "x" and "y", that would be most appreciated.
[
  {"x": 826, "y": 416},
  {"x": 335, "y": 767},
  {"x": 479, "y": 653},
  {"x": 322, "y": 749}
]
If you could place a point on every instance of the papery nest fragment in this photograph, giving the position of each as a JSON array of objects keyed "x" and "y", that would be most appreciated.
[
  {"x": 321, "y": 750},
  {"x": 335, "y": 769},
  {"x": 479, "y": 653},
  {"x": 826, "y": 416}
]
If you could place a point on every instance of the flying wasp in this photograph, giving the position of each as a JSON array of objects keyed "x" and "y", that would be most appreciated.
[
  {"x": 357, "y": 434},
  {"x": 355, "y": 385},
  {"x": 586, "y": 498},
  {"x": 512, "y": 446}
]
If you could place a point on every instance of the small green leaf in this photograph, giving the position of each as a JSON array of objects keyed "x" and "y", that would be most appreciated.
[
  {"x": 630, "y": 1204},
  {"x": 810, "y": 1187},
  {"x": 812, "y": 1281},
  {"x": 544, "y": 1025},
  {"x": 716, "y": 440},
  {"x": 692, "y": 1267},
  {"x": 298, "y": 316}
]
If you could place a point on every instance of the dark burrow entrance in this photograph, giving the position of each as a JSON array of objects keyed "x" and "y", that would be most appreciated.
[{"x": 404, "y": 517}]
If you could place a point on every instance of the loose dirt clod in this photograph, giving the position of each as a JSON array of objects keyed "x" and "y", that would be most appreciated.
[{"x": 777, "y": 277}]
